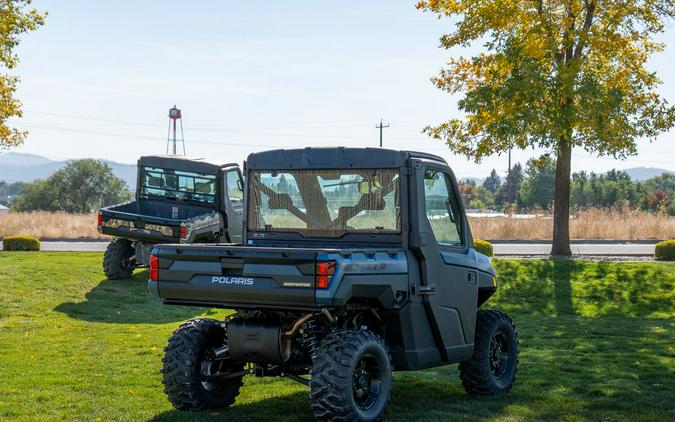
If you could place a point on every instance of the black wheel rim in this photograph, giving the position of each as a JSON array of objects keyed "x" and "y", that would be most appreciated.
[
  {"x": 499, "y": 354},
  {"x": 367, "y": 381},
  {"x": 207, "y": 380}
]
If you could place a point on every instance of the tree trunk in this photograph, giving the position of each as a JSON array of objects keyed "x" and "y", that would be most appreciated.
[{"x": 561, "y": 204}]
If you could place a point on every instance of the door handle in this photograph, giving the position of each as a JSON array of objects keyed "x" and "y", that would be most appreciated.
[{"x": 426, "y": 290}]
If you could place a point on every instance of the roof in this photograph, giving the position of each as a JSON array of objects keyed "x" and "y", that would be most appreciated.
[
  {"x": 178, "y": 162},
  {"x": 335, "y": 157},
  {"x": 2, "y": 207}
]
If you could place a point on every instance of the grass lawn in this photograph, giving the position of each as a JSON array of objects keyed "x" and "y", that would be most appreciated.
[{"x": 596, "y": 339}]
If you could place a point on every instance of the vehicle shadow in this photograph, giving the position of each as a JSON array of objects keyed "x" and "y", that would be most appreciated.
[
  {"x": 568, "y": 366},
  {"x": 126, "y": 302}
]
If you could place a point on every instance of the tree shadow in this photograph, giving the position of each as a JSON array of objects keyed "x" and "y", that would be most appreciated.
[{"x": 126, "y": 302}]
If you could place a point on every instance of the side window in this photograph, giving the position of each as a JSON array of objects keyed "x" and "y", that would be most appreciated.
[
  {"x": 441, "y": 208},
  {"x": 234, "y": 187}
]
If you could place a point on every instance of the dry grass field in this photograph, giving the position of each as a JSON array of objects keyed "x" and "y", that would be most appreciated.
[
  {"x": 49, "y": 225},
  {"x": 618, "y": 224},
  {"x": 615, "y": 224}
]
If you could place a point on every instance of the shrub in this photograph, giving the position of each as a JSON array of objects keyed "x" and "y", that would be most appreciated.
[
  {"x": 665, "y": 251},
  {"x": 483, "y": 247},
  {"x": 20, "y": 243}
]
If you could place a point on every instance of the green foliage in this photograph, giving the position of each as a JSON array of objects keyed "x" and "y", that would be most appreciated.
[
  {"x": 508, "y": 192},
  {"x": 15, "y": 20},
  {"x": 20, "y": 243},
  {"x": 82, "y": 186},
  {"x": 492, "y": 182},
  {"x": 537, "y": 187},
  {"x": 605, "y": 190},
  {"x": 665, "y": 251},
  {"x": 483, "y": 246}
]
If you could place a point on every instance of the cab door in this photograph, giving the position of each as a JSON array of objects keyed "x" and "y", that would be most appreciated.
[
  {"x": 233, "y": 202},
  {"x": 448, "y": 284}
]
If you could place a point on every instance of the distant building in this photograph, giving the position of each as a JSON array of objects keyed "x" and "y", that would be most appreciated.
[{"x": 3, "y": 209}]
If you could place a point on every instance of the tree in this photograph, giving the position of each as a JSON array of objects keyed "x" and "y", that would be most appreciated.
[
  {"x": 82, "y": 186},
  {"x": 555, "y": 74},
  {"x": 492, "y": 182},
  {"x": 508, "y": 192},
  {"x": 536, "y": 190},
  {"x": 15, "y": 20}
]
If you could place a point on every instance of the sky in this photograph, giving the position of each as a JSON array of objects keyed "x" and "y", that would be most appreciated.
[{"x": 98, "y": 79}]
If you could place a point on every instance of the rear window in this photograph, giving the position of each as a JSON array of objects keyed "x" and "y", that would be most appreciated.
[
  {"x": 327, "y": 203},
  {"x": 178, "y": 185}
]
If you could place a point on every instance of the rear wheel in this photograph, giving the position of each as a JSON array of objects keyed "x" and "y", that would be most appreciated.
[
  {"x": 196, "y": 377},
  {"x": 351, "y": 377},
  {"x": 492, "y": 367},
  {"x": 117, "y": 262}
]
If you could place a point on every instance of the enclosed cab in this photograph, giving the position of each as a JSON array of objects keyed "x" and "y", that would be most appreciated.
[
  {"x": 355, "y": 261},
  {"x": 177, "y": 200}
]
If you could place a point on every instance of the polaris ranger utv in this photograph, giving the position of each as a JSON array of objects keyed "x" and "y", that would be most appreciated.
[
  {"x": 177, "y": 200},
  {"x": 356, "y": 262}
]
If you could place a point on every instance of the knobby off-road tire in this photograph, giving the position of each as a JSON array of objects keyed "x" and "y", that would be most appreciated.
[
  {"x": 184, "y": 383},
  {"x": 351, "y": 377},
  {"x": 493, "y": 365},
  {"x": 116, "y": 257}
]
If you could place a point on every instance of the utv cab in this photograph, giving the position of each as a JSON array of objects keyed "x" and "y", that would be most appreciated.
[{"x": 177, "y": 200}]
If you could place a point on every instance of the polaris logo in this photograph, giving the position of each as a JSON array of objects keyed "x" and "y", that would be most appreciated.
[{"x": 244, "y": 281}]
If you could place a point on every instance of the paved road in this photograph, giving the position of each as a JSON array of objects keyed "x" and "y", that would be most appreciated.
[
  {"x": 623, "y": 249},
  {"x": 617, "y": 249}
]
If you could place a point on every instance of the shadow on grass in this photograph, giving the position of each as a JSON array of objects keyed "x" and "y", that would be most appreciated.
[
  {"x": 570, "y": 367},
  {"x": 126, "y": 302}
]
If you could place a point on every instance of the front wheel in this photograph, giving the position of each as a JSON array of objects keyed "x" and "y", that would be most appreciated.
[
  {"x": 351, "y": 377},
  {"x": 492, "y": 367},
  {"x": 196, "y": 377}
]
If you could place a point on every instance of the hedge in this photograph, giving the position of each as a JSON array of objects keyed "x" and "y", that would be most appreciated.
[
  {"x": 483, "y": 247},
  {"x": 20, "y": 243},
  {"x": 665, "y": 251}
]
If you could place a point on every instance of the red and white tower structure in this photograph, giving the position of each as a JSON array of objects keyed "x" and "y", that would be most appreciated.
[{"x": 175, "y": 117}]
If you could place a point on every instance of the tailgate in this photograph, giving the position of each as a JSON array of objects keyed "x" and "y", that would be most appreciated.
[
  {"x": 235, "y": 276},
  {"x": 138, "y": 227}
]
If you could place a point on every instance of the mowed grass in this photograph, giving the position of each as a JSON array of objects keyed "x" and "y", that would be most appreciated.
[{"x": 596, "y": 339}]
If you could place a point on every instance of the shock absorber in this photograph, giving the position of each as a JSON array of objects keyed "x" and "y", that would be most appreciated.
[{"x": 310, "y": 340}]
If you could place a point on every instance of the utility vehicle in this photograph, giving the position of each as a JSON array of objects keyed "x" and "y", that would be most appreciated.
[
  {"x": 177, "y": 200},
  {"x": 355, "y": 263}
]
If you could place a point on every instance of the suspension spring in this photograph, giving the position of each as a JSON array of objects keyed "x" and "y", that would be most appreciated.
[{"x": 310, "y": 341}]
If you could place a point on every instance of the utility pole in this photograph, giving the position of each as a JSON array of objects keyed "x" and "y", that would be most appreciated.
[
  {"x": 509, "y": 161},
  {"x": 381, "y": 126}
]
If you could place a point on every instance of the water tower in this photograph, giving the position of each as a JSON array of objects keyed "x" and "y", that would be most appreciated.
[{"x": 174, "y": 117}]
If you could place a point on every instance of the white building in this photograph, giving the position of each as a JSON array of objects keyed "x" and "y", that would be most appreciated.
[{"x": 3, "y": 209}]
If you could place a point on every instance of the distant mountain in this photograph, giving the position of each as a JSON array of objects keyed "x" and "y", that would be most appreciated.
[
  {"x": 640, "y": 174},
  {"x": 19, "y": 167}
]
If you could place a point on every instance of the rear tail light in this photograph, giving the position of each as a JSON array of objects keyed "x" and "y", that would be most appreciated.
[
  {"x": 324, "y": 273},
  {"x": 154, "y": 268},
  {"x": 183, "y": 232},
  {"x": 100, "y": 219}
]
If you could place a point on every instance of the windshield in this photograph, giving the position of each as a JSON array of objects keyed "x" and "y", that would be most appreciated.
[
  {"x": 178, "y": 185},
  {"x": 326, "y": 203}
]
